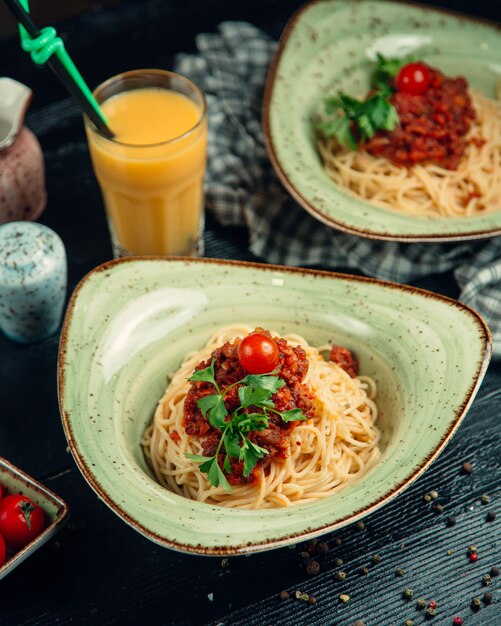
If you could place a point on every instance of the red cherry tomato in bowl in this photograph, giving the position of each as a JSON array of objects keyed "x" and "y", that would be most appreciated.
[
  {"x": 21, "y": 520},
  {"x": 3, "y": 551},
  {"x": 258, "y": 354},
  {"x": 413, "y": 78}
]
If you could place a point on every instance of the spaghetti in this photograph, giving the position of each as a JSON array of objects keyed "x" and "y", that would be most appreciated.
[
  {"x": 474, "y": 188},
  {"x": 323, "y": 454}
]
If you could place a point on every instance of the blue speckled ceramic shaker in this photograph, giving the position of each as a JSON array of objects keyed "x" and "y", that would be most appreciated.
[{"x": 33, "y": 281}]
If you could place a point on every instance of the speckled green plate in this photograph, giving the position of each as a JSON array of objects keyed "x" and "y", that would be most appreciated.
[
  {"x": 327, "y": 47},
  {"x": 130, "y": 323}
]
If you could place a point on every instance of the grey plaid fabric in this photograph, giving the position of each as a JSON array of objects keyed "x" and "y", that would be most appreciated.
[{"x": 242, "y": 189}]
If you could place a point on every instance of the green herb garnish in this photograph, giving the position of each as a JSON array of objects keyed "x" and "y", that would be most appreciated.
[
  {"x": 255, "y": 392},
  {"x": 386, "y": 69},
  {"x": 352, "y": 120}
]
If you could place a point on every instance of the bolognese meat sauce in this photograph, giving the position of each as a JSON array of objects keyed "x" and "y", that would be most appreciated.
[
  {"x": 292, "y": 367},
  {"x": 433, "y": 124}
]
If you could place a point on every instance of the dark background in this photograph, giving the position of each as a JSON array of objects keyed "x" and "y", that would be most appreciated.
[{"x": 100, "y": 571}]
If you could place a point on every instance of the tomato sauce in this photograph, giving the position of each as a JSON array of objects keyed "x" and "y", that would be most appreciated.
[
  {"x": 292, "y": 367},
  {"x": 432, "y": 127},
  {"x": 345, "y": 359}
]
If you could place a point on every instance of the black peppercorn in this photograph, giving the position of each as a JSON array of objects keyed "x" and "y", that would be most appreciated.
[
  {"x": 337, "y": 541},
  {"x": 322, "y": 547},
  {"x": 364, "y": 571},
  {"x": 438, "y": 508},
  {"x": 360, "y": 526},
  {"x": 487, "y": 598},
  {"x": 494, "y": 571},
  {"x": 313, "y": 568},
  {"x": 491, "y": 516},
  {"x": 284, "y": 595},
  {"x": 451, "y": 521}
]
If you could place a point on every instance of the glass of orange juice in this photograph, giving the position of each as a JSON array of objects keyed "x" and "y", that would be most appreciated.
[{"x": 151, "y": 173}]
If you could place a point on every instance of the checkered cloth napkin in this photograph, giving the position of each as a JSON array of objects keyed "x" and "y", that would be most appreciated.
[{"x": 242, "y": 188}]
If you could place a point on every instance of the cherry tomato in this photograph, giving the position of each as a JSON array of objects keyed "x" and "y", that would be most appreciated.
[
  {"x": 21, "y": 520},
  {"x": 258, "y": 354},
  {"x": 413, "y": 78},
  {"x": 3, "y": 550}
]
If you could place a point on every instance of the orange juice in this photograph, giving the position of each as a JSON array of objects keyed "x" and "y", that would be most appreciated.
[{"x": 151, "y": 173}]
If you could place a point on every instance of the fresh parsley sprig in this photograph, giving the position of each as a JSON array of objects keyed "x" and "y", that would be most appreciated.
[
  {"x": 351, "y": 120},
  {"x": 388, "y": 68},
  {"x": 255, "y": 391}
]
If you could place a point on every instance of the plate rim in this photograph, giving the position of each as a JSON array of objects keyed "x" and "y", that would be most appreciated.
[
  {"x": 320, "y": 215},
  {"x": 284, "y": 540}
]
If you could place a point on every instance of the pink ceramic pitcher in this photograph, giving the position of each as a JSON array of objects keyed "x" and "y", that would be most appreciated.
[{"x": 22, "y": 175}]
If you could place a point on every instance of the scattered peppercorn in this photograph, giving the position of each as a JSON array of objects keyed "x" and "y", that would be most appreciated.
[
  {"x": 450, "y": 552},
  {"x": 433, "y": 494},
  {"x": 360, "y": 526},
  {"x": 399, "y": 572},
  {"x": 473, "y": 557},
  {"x": 467, "y": 468},
  {"x": 407, "y": 594},
  {"x": 409, "y": 622},
  {"x": 487, "y": 598},
  {"x": 486, "y": 580},
  {"x": 491, "y": 516},
  {"x": 337, "y": 541},
  {"x": 322, "y": 547},
  {"x": 457, "y": 621},
  {"x": 364, "y": 571},
  {"x": 420, "y": 604},
  {"x": 338, "y": 562},
  {"x": 427, "y": 497},
  {"x": 312, "y": 600},
  {"x": 359, "y": 623},
  {"x": 305, "y": 555},
  {"x": 313, "y": 568},
  {"x": 299, "y": 595},
  {"x": 340, "y": 576},
  {"x": 284, "y": 595},
  {"x": 485, "y": 499},
  {"x": 472, "y": 549},
  {"x": 430, "y": 613},
  {"x": 344, "y": 598},
  {"x": 432, "y": 604},
  {"x": 494, "y": 571},
  {"x": 376, "y": 559},
  {"x": 475, "y": 604},
  {"x": 451, "y": 521},
  {"x": 225, "y": 563},
  {"x": 438, "y": 508}
]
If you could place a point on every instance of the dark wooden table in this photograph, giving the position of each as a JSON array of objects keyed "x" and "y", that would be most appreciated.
[{"x": 100, "y": 571}]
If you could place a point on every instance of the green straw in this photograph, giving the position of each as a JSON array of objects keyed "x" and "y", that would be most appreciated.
[{"x": 45, "y": 46}]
